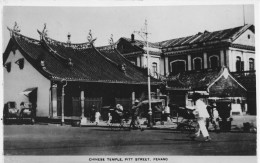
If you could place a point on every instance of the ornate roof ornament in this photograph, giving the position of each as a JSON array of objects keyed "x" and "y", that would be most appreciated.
[
  {"x": 68, "y": 41},
  {"x": 123, "y": 67},
  {"x": 90, "y": 37},
  {"x": 15, "y": 29},
  {"x": 43, "y": 33},
  {"x": 111, "y": 40}
]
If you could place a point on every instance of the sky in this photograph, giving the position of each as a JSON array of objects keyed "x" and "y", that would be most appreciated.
[{"x": 164, "y": 22}]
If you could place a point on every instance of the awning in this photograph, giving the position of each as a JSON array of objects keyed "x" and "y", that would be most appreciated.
[{"x": 28, "y": 91}]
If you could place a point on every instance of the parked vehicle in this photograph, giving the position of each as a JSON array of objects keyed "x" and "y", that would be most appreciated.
[{"x": 13, "y": 113}]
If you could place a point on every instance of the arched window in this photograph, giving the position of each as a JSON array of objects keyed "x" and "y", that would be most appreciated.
[
  {"x": 197, "y": 63},
  {"x": 178, "y": 66},
  {"x": 239, "y": 64},
  {"x": 154, "y": 68},
  {"x": 214, "y": 61},
  {"x": 251, "y": 64}
]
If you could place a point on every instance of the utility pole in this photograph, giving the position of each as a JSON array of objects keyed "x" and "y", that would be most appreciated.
[
  {"x": 244, "y": 19},
  {"x": 144, "y": 34}
]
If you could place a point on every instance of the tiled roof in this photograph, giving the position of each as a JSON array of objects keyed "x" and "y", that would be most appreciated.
[
  {"x": 193, "y": 80},
  {"x": 143, "y": 43},
  {"x": 217, "y": 83},
  {"x": 206, "y": 36},
  {"x": 247, "y": 79},
  {"x": 78, "y": 62}
]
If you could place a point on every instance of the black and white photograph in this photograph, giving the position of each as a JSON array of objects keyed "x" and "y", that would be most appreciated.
[{"x": 129, "y": 83}]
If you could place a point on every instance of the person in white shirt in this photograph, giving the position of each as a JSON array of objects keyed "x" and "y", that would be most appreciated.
[
  {"x": 97, "y": 117},
  {"x": 201, "y": 114}
]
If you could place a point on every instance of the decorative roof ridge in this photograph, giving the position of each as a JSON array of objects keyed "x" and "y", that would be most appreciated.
[
  {"x": 109, "y": 60},
  {"x": 85, "y": 45},
  {"x": 44, "y": 43},
  {"x": 107, "y": 47},
  {"x": 41, "y": 68}
]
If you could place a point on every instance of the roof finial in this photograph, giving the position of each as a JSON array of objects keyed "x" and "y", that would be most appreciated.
[
  {"x": 44, "y": 31},
  {"x": 111, "y": 40},
  {"x": 16, "y": 27},
  {"x": 68, "y": 41},
  {"x": 90, "y": 37}
]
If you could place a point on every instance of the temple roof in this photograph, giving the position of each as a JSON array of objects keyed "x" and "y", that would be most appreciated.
[
  {"x": 217, "y": 83},
  {"x": 77, "y": 62},
  {"x": 191, "y": 80},
  {"x": 247, "y": 79}
]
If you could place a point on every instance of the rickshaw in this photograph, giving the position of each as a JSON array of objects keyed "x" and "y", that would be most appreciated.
[
  {"x": 157, "y": 109},
  {"x": 119, "y": 121},
  {"x": 28, "y": 113},
  {"x": 11, "y": 112}
]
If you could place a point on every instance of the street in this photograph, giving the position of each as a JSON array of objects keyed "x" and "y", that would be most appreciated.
[{"x": 66, "y": 140}]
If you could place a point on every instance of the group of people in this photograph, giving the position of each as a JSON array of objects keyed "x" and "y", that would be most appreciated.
[
  {"x": 202, "y": 112},
  {"x": 19, "y": 112}
]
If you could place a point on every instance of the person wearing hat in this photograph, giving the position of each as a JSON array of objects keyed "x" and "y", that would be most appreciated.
[{"x": 202, "y": 114}]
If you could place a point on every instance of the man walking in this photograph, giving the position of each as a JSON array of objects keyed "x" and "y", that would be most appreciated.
[{"x": 202, "y": 114}]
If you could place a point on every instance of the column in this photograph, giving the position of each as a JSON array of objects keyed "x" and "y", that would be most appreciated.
[
  {"x": 166, "y": 65},
  {"x": 162, "y": 66},
  {"x": 222, "y": 59},
  {"x": 138, "y": 61},
  {"x": 50, "y": 104},
  {"x": 82, "y": 102},
  {"x": 227, "y": 58},
  {"x": 142, "y": 60},
  {"x": 133, "y": 98},
  {"x": 54, "y": 100},
  {"x": 189, "y": 62},
  {"x": 205, "y": 60}
]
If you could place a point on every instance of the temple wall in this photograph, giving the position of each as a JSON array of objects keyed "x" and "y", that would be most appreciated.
[{"x": 18, "y": 80}]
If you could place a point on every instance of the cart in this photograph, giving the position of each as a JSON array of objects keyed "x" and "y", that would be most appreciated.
[
  {"x": 157, "y": 109},
  {"x": 11, "y": 112}
]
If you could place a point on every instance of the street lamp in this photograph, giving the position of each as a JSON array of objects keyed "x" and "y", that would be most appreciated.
[{"x": 144, "y": 34}]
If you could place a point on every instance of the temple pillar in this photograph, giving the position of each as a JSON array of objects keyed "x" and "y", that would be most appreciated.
[
  {"x": 54, "y": 101},
  {"x": 82, "y": 102}
]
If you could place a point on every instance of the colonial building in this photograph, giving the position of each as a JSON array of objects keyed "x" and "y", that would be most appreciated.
[
  {"x": 206, "y": 51},
  {"x": 136, "y": 51},
  {"x": 68, "y": 76},
  {"x": 233, "y": 48}
]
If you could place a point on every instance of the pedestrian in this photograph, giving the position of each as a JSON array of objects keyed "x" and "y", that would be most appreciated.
[
  {"x": 22, "y": 108},
  {"x": 92, "y": 113},
  {"x": 135, "y": 123},
  {"x": 119, "y": 110},
  {"x": 97, "y": 117},
  {"x": 201, "y": 114},
  {"x": 167, "y": 112},
  {"x": 210, "y": 109}
]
